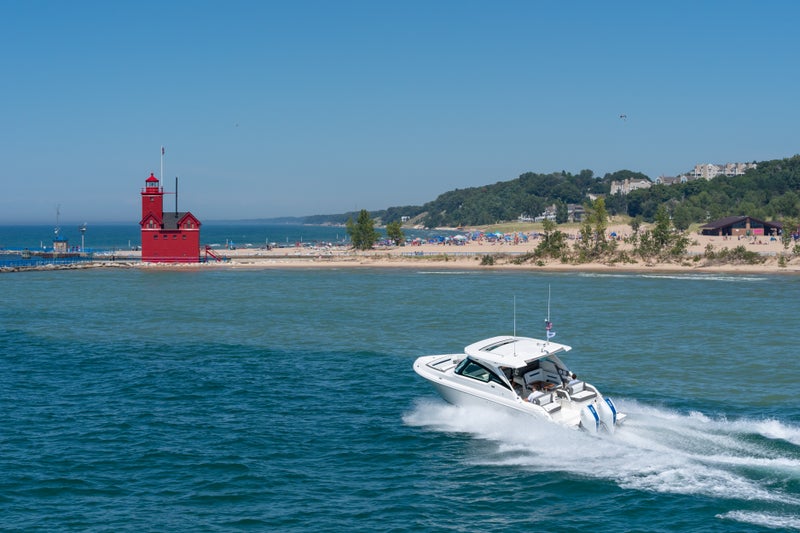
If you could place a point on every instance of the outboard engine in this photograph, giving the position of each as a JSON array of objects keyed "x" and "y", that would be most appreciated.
[
  {"x": 607, "y": 412},
  {"x": 590, "y": 419}
]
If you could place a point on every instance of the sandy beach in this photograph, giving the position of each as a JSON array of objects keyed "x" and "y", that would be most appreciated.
[{"x": 471, "y": 255}]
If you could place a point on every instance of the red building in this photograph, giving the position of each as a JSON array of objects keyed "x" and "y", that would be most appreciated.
[{"x": 167, "y": 237}]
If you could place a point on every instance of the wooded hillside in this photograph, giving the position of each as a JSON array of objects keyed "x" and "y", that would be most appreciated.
[{"x": 769, "y": 192}]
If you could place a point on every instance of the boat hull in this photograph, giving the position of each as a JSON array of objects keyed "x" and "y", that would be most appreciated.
[
  {"x": 462, "y": 391},
  {"x": 459, "y": 391}
]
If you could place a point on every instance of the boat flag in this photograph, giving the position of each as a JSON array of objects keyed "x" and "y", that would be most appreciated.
[{"x": 548, "y": 326}]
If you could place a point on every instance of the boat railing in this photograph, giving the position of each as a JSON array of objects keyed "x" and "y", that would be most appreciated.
[{"x": 444, "y": 364}]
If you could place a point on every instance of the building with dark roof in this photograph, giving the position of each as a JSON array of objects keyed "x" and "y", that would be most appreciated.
[
  {"x": 167, "y": 237},
  {"x": 741, "y": 226}
]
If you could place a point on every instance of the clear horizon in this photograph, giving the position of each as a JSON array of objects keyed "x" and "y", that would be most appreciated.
[{"x": 271, "y": 110}]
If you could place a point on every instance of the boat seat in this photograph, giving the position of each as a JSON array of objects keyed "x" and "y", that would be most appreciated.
[
  {"x": 539, "y": 377},
  {"x": 546, "y": 401},
  {"x": 534, "y": 375},
  {"x": 578, "y": 391}
]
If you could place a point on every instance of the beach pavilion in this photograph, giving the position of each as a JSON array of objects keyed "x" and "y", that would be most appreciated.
[{"x": 741, "y": 226}]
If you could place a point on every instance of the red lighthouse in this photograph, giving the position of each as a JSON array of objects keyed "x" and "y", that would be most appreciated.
[{"x": 167, "y": 237}]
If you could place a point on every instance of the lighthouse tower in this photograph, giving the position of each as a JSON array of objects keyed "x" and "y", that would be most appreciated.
[
  {"x": 167, "y": 237},
  {"x": 152, "y": 197}
]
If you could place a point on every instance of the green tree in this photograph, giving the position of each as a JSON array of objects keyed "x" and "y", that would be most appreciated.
[
  {"x": 593, "y": 242},
  {"x": 554, "y": 241},
  {"x": 562, "y": 212},
  {"x": 662, "y": 241},
  {"x": 395, "y": 233},
  {"x": 786, "y": 205},
  {"x": 617, "y": 203},
  {"x": 790, "y": 225},
  {"x": 662, "y": 229},
  {"x": 432, "y": 220},
  {"x": 362, "y": 232},
  {"x": 682, "y": 217}
]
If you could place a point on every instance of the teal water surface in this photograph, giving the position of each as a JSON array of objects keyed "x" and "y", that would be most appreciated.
[{"x": 284, "y": 400}]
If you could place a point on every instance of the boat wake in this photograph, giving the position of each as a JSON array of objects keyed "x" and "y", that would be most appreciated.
[
  {"x": 656, "y": 450},
  {"x": 735, "y": 278}
]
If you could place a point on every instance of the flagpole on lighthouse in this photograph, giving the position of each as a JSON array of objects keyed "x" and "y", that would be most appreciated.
[{"x": 162, "y": 164}]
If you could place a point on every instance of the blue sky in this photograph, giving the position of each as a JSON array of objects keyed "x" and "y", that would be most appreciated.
[{"x": 294, "y": 108}]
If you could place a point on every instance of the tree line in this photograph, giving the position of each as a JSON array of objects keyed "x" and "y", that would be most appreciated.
[{"x": 769, "y": 192}]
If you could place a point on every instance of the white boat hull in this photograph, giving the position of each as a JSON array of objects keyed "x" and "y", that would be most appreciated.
[{"x": 463, "y": 391}]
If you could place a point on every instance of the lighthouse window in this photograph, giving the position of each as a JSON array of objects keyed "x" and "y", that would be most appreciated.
[
  {"x": 184, "y": 237},
  {"x": 155, "y": 237}
]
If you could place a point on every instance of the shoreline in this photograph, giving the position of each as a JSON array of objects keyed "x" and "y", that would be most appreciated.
[
  {"x": 442, "y": 261},
  {"x": 471, "y": 255}
]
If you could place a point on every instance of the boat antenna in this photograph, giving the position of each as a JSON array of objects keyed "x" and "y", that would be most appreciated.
[
  {"x": 548, "y": 326},
  {"x": 515, "y": 324},
  {"x": 548, "y": 303}
]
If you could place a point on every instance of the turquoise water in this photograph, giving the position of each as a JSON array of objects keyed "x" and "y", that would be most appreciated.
[
  {"x": 284, "y": 400},
  {"x": 126, "y": 236}
]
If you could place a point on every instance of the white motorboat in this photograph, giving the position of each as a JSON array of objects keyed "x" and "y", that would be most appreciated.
[{"x": 523, "y": 374}]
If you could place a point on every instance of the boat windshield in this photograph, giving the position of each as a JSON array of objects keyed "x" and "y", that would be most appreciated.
[{"x": 475, "y": 370}]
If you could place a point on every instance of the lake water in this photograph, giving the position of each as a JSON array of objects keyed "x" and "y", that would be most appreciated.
[
  {"x": 284, "y": 400},
  {"x": 107, "y": 237}
]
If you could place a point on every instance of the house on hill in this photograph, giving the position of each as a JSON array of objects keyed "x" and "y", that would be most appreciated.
[
  {"x": 741, "y": 226},
  {"x": 629, "y": 184}
]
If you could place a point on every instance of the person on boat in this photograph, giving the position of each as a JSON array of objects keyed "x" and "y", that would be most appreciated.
[
  {"x": 535, "y": 393},
  {"x": 571, "y": 380}
]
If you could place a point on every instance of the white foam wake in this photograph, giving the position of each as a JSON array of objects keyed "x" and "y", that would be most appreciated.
[
  {"x": 738, "y": 278},
  {"x": 771, "y": 520},
  {"x": 656, "y": 450}
]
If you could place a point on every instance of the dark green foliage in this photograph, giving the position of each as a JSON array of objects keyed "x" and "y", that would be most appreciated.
[
  {"x": 527, "y": 195},
  {"x": 790, "y": 226},
  {"x": 553, "y": 242},
  {"x": 562, "y": 212},
  {"x": 593, "y": 243},
  {"x": 662, "y": 242},
  {"x": 740, "y": 254},
  {"x": 394, "y": 232},
  {"x": 524, "y": 258},
  {"x": 362, "y": 232},
  {"x": 769, "y": 192}
]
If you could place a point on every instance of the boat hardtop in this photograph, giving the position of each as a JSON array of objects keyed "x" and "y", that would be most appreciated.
[{"x": 514, "y": 352}]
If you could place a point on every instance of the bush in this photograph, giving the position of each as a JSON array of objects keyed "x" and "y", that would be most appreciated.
[
  {"x": 524, "y": 258},
  {"x": 740, "y": 254}
]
